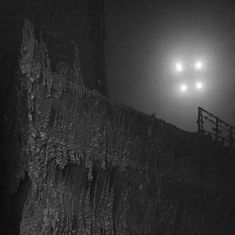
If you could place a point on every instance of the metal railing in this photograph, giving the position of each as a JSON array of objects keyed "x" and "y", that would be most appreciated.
[{"x": 219, "y": 130}]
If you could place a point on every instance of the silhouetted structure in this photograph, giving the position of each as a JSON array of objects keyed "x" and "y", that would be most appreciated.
[
  {"x": 220, "y": 130},
  {"x": 72, "y": 162}
]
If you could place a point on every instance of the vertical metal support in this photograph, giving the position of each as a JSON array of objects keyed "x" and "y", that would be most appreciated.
[
  {"x": 199, "y": 120},
  {"x": 231, "y": 136},
  {"x": 217, "y": 129}
]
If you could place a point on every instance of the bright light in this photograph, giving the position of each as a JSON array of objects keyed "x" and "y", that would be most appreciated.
[
  {"x": 199, "y": 85},
  {"x": 198, "y": 65},
  {"x": 179, "y": 67},
  {"x": 183, "y": 87}
]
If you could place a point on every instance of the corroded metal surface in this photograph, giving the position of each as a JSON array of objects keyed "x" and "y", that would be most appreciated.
[{"x": 98, "y": 167}]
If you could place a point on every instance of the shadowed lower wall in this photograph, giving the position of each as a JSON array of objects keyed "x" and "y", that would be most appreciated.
[{"x": 98, "y": 167}]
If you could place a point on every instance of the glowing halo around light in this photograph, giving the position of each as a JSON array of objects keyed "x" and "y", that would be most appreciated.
[
  {"x": 199, "y": 85},
  {"x": 183, "y": 87},
  {"x": 198, "y": 65},
  {"x": 179, "y": 67}
]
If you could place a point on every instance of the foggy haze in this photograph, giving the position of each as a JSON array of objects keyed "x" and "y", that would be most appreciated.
[{"x": 144, "y": 39}]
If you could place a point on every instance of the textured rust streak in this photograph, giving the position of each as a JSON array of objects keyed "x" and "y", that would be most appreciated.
[{"x": 98, "y": 167}]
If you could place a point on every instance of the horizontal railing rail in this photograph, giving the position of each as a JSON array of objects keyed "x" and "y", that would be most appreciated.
[{"x": 219, "y": 130}]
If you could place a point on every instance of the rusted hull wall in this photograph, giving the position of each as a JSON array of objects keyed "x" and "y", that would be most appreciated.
[
  {"x": 69, "y": 28},
  {"x": 98, "y": 167}
]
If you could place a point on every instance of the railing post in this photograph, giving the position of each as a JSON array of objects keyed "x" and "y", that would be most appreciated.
[
  {"x": 217, "y": 129},
  {"x": 200, "y": 120},
  {"x": 231, "y": 136}
]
